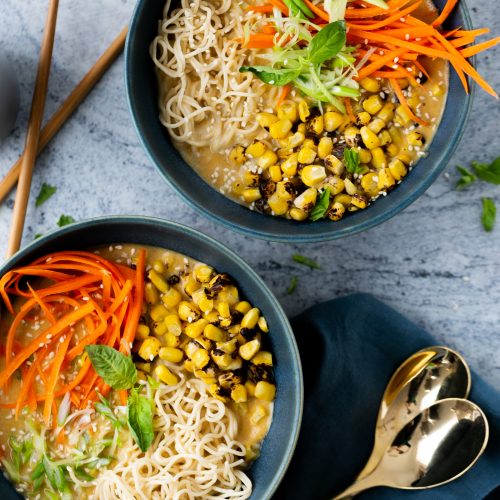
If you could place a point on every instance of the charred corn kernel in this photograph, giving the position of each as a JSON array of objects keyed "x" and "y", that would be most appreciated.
[
  {"x": 145, "y": 367},
  {"x": 312, "y": 175},
  {"x": 158, "y": 281},
  {"x": 188, "y": 366},
  {"x": 266, "y": 119},
  {"x": 385, "y": 137},
  {"x": 165, "y": 375},
  {"x": 298, "y": 214},
  {"x": 303, "y": 109},
  {"x": 369, "y": 183},
  {"x": 200, "y": 358},
  {"x": 372, "y": 104},
  {"x": 396, "y": 134},
  {"x": 195, "y": 329},
  {"x": 237, "y": 154},
  {"x": 159, "y": 266},
  {"x": 212, "y": 316},
  {"x": 206, "y": 343},
  {"x": 369, "y": 137},
  {"x": 333, "y": 120},
  {"x": 243, "y": 306},
  {"x": 316, "y": 125},
  {"x": 203, "y": 273},
  {"x": 250, "y": 349},
  {"x": 191, "y": 286},
  {"x": 171, "y": 297},
  {"x": 223, "y": 308},
  {"x": 205, "y": 305},
  {"x": 149, "y": 348},
  {"x": 267, "y": 159},
  {"x": 262, "y": 323},
  {"x": 209, "y": 380},
  {"x": 263, "y": 358},
  {"x": 190, "y": 348},
  {"x": 171, "y": 354},
  {"x": 283, "y": 192},
  {"x": 251, "y": 318},
  {"x": 392, "y": 149},
  {"x": 238, "y": 188},
  {"x": 288, "y": 109},
  {"x": 265, "y": 391},
  {"x": 171, "y": 340},
  {"x": 359, "y": 201},
  {"x": 307, "y": 199},
  {"x": 437, "y": 89},
  {"x": 415, "y": 139},
  {"x": 387, "y": 112},
  {"x": 402, "y": 116},
  {"x": 336, "y": 212},
  {"x": 363, "y": 118},
  {"x": 151, "y": 294},
  {"x": 296, "y": 139},
  {"x": 251, "y": 194},
  {"x": 364, "y": 155},
  {"x": 280, "y": 129},
  {"x": 256, "y": 149},
  {"x": 217, "y": 393},
  {"x": 239, "y": 393},
  {"x": 289, "y": 166},
  {"x": 230, "y": 346},
  {"x": 336, "y": 184},
  {"x": 275, "y": 173},
  {"x": 370, "y": 84},
  {"x": 277, "y": 205},
  {"x": 325, "y": 147},
  {"x": 222, "y": 359},
  {"x": 214, "y": 333},
  {"x": 351, "y": 135},
  {"x": 142, "y": 332},
  {"x": 350, "y": 187},
  {"x": 378, "y": 158},
  {"x": 160, "y": 328},
  {"x": 344, "y": 199},
  {"x": 398, "y": 169},
  {"x": 306, "y": 156},
  {"x": 250, "y": 178},
  {"x": 385, "y": 179},
  {"x": 285, "y": 150},
  {"x": 376, "y": 125},
  {"x": 405, "y": 158},
  {"x": 334, "y": 165},
  {"x": 229, "y": 294},
  {"x": 173, "y": 324},
  {"x": 158, "y": 312},
  {"x": 188, "y": 311}
]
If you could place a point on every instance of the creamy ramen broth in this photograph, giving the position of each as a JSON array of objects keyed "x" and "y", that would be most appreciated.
[{"x": 86, "y": 443}]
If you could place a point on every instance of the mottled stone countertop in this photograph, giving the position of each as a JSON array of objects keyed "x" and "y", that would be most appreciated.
[{"x": 433, "y": 262}]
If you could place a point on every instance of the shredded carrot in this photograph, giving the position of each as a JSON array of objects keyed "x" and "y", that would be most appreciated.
[
  {"x": 260, "y": 8},
  {"x": 450, "y": 5},
  {"x": 404, "y": 103},
  {"x": 475, "y": 49},
  {"x": 318, "y": 11},
  {"x": 285, "y": 90},
  {"x": 348, "y": 107},
  {"x": 123, "y": 397},
  {"x": 280, "y": 6}
]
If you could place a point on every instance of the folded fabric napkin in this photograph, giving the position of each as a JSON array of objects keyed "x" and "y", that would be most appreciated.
[{"x": 350, "y": 347}]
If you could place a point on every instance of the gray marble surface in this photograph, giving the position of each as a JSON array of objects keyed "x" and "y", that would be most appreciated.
[{"x": 433, "y": 262}]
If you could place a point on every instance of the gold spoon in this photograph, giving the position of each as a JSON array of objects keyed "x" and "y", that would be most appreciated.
[{"x": 439, "y": 445}]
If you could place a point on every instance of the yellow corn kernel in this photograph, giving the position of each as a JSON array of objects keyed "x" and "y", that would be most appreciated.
[
  {"x": 205, "y": 304},
  {"x": 190, "y": 348},
  {"x": 213, "y": 333},
  {"x": 312, "y": 175},
  {"x": 402, "y": 116},
  {"x": 142, "y": 332},
  {"x": 392, "y": 149},
  {"x": 149, "y": 348},
  {"x": 298, "y": 214},
  {"x": 405, "y": 158},
  {"x": 364, "y": 155},
  {"x": 217, "y": 393},
  {"x": 243, "y": 306},
  {"x": 283, "y": 191},
  {"x": 173, "y": 324},
  {"x": 333, "y": 120},
  {"x": 370, "y": 139},
  {"x": 200, "y": 358},
  {"x": 158, "y": 312},
  {"x": 398, "y": 169},
  {"x": 309, "y": 143},
  {"x": 376, "y": 125},
  {"x": 303, "y": 111},
  {"x": 334, "y": 165},
  {"x": 171, "y": 340},
  {"x": 171, "y": 297},
  {"x": 151, "y": 294},
  {"x": 363, "y": 118},
  {"x": 396, "y": 134},
  {"x": 373, "y": 104},
  {"x": 325, "y": 147},
  {"x": 359, "y": 201},
  {"x": 250, "y": 349},
  {"x": 378, "y": 158},
  {"x": 222, "y": 359},
  {"x": 275, "y": 173},
  {"x": 262, "y": 323},
  {"x": 250, "y": 387},
  {"x": 188, "y": 366},
  {"x": 385, "y": 138},
  {"x": 208, "y": 379},
  {"x": 191, "y": 286},
  {"x": 288, "y": 110},
  {"x": 350, "y": 187},
  {"x": 171, "y": 354},
  {"x": 289, "y": 166},
  {"x": 387, "y": 112},
  {"x": 263, "y": 358},
  {"x": 306, "y": 155},
  {"x": 251, "y": 318},
  {"x": 277, "y": 205},
  {"x": 265, "y": 120},
  {"x": 316, "y": 125},
  {"x": 342, "y": 198},
  {"x": 414, "y": 102},
  {"x": 239, "y": 393},
  {"x": 385, "y": 179},
  {"x": 280, "y": 129},
  {"x": 250, "y": 178},
  {"x": 307, "y": 199},
  {"x": 223, "y": 308},
  {"x": 195, "y": 329},
  {"x": 237, "y": 155},
  {"x": 438, "y": 89},
  {"x": 337, "y": 211},
  {"x": 296, "y": 139},
  {"x": 203, "y": 273},
  {"x": 403, "y": 83},
  {"x": 160, "y": 328},
  {"x": 301, "y": 127},
  {"x": 145, "y": 367},
  {"x": 165, "y": 375},
  {"x": 251, "y": 194},
  {"x": 206, "y": 343},
  {"x": 369, "y": 183},
  {"x": 336, "y": 185},
  {"x": 351, "y": 135},
  {"x": 159, "y": 266},
  {"x": 370, "y": 84},
  {"x": 415, "y": 139},
  {"x": 265, "y": 391},
  {"x": 158, "y": 281},
  {"x": 267, "y": 159},
  {"x": 256, "y": 149},
  {"x": 228, "y": 347},
  {"x": 188, "y": 311}
]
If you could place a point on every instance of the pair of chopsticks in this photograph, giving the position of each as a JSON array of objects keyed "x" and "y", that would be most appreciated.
[{"x": 37, "y": 138}]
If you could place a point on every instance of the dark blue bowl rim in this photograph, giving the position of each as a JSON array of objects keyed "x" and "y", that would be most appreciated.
[
  {"x": 196, "y": 236},
  {"x": 433, "y": 173}
]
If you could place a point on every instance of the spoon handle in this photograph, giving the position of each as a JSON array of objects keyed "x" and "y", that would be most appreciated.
[{"x": 367, "y": 482}]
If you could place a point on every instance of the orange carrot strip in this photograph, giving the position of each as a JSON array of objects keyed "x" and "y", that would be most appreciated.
[
  {"x": 77, "y": 380},
  {"x": 121, "y": 297},
  {"x": 475, "y": 49},
  {"x": 259, "y": 45},
  {"x": 462, "y": 41},
  {"x": 348, "y": 107},
  {"x": 260, "y": 8},
  {"x": 123, "y": 397},
  {"x": 359, "y": 13},
  {"x": 474, "y": 33},
  {"x": 450, "y": 5},
  {"x": 404, "y": 103},
  {"x": 269, "y": 29},
  {"x": 280, "y": 6},
  {"x": 285, "y": 90},
  {"x": 76, "y": 350},
  {"x": 381, "y": 62},
  {"x": 43, "y": 306},
  {"x": 318, "y": 11}
]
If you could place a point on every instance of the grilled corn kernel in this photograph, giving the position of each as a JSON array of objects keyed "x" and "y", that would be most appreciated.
[
  {"x": 223, "y": 308},
  {"x": 298, "y": 214},
  {"x": 222, "y": 359},
  {"x": 151, "y": 294},
  {"x": 385, "y": 138},
  {"x": 206, "y": 343},
  {"x": 312, "y": 175},
  {"x": 239, "y": 393},
  {"x": 263, "y": 358},
  {"x": 243, "y": 306},
  {"x": 256, "y": 149},
  {"x": 173, "y": 324},
  {"x": 303, "y": 111},
  {"x": 262, "y": 323},
  {"x": 265, "y": 391},
  {"x": 370, "y": 139},
  {"x": 414, "y": 102},
  {"x": 217, "y": 393},
  {"x": 296, "y": 139},
  {"x": 363, "y": 118},
  {"x": 306, "y": 156},
  {"x": 165, "y": 375},
  {"x": 415, "y": 139},
  {"x": 171, "y": 354},
  {"x": 203, "y": 273},
  {"x": 405, "y": 158},
  {"x": 350, "y": 187},
  {"x": 364, "y": 155},
  {"x": 392, "y": 149},
  {"x": 398, "y": 169},
  {"x": 149, "y": 348},
  {"x": 229, "y": 347},
  {"x": 160, "y": 328},
  {"x": 280, "y": 129},
  {"x": 196, "y": 328},
  {"x": 344, "y": 199},
  {"x": 437, "y": 89},
  {"x": 250, "y": 349},
  {"x": 158, "y": 312},
  {"x": 266, "y": 119},
  {"x": 369, "y": 183},
  {"x": 159, "y": 266},
  {"x": 171, "y": 297},
  {"x": 307, "y": 199},
  {"x": 250, "y": 178},
  {"x": 376, "y": 125},
  {"x": 250, "y": 387},
  {"x": 237, "y": 155},
  {"x": 288, "y": 109},
  {"x": 277, "y": 205},
  {"x": 250, "y": 319},
  {"x": 316, "y": 125},
  {"x": 214, "y": 333},
  {"x": 191, "y": 286},
  {"x": 336, "y": 212},
  {"x": 333, "y": 120},
  {"x": 200, "y": 358},
  {"x": 267, "y": 159},
  {"x": 325, "y": 147},
  {"x": 370, "y": 84},
  {"x": 335, "y": 184},
  {"x": 171, "y": 340},
  {"x": 378, "y": 158},
  {"x": 283, "y": 190},
  {"x": 275, "y": 173},
  {"x": 188, "y": 311},
  {"x": 402, "y": 116},
  {"x": 385, "y": 179},
  {"x": 208, "y": 379},
  {"x": 190, "y": 348},
  {"x": 351, "y": 135},
  {"x": 145, "y": 367},
  {"x": 289, "y": 166},
  {"x": 188, "y": 366},
  {"x": 334, "y": 165},
  {"x": 158, "y": 281},
  {"x": 387, "y": 112},
  {"x": 251, "y": 194},
  {"x": 359, "y": 201},
  {"x": 373, "y": 104},
  {"x": 142, "y": 332},
  {"x": 206, "y": 305}
]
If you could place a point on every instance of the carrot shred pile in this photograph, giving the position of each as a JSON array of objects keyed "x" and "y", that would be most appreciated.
[{"x": 75, "y": 299}]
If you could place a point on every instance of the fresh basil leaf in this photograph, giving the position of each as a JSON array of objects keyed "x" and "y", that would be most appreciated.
[
  {"x": 489, "y": 173},
  {"x": 467, "y": 178},
  {"x": 294, "y": 281},
  {"x": 328, "y": 42},
  {"x": 116, "y": 369},
  {"x": 305, "y": 261},
  {"x": 64, "y": 220},
  {"x": 46, "y": 191},
  {"x": 140, "y": 419},
  {"x": 319, "y": 210},
  {"x": 351, "y": 160},
  {"x": 489, "y": 214},
  {"x": 273, "y": 76}
]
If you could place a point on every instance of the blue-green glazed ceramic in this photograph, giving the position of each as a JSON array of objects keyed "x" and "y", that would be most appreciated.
[
  {"x": 143, "y": 95},
  {"x": 277, "y": 449}
]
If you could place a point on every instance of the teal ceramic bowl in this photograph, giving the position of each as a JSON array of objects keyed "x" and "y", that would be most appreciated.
[
  {"x": 143, "y": 94},
  {"x": 277, "y": 448}
]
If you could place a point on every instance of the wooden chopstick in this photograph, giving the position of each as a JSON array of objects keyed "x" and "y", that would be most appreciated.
[
  {"x": 59, "y": 118},
  {"x": 34, "y": 125}
]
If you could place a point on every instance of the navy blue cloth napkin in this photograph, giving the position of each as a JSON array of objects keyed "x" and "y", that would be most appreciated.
[{"x": 350, "y": 347}]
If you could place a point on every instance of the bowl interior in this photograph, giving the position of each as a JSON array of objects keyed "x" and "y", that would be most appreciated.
[
  {"x": 279, "y": 444},
  {"x": 142, "y": 93}
]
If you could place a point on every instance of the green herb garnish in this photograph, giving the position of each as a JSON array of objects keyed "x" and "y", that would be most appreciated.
[
  {"x": 467, "y": 178},
  {"x": 351, "y": 160},
  {"x": 489, "y": 214},
  {"x": 327, "y": 42},
  {"x": 37, "y": 235},
  {"x": 305, "y": 261},
  {"x": 488, "y": 172},
  {"x": 298, "y": 8},
  {"x": 103, "y": 407},
  {"x": 294, "y": 281},
  {"x": 46, "y": 191},
  {"x": 64, "y": 220},
  {"x": 321, "y": 208},
  {"x": 140, "y": 419},
  {"x": 273, "y": 76}
]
